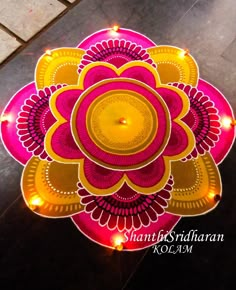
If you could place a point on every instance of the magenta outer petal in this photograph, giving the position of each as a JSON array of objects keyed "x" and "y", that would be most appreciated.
[
  {"x": 126, "y": 34},
  {"x": 227, "y": 136},
  {"x": 173, "y": 101},
  {"x": 8, "y": 129},
  {"x": 65, "y": 102},
  {"x": 97, "y": 74},
  {"x": 142, "y": 74},
  {"x": 63, "y": 143},
  {"x": 178, "y": 141},
  {"x": 103, "y": 236},
  {"x": 149, "y": 175},
  {"x": 99, "y": 176}
]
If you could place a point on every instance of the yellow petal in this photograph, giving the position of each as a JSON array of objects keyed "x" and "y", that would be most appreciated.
[
  {"x": 196, "y": 184},
  {"x": 173, "y": 65},
  {"x": 58, "y": 67},
  {"x": 49, "y": 188}
]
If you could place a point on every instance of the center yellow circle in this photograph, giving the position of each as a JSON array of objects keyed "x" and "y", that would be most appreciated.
[{"x": 121, "y": 122}]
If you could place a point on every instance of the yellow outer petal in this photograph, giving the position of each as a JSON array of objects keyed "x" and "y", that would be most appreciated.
[
  {"x": 53, "y": 186},
  {"x": 173, "y": 65},
  {"x": 58, "y": 67},
  {"x": 196, "y": 183}
]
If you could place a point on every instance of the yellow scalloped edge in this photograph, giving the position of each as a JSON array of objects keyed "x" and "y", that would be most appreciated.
[
  {"x": 58, "y": 67},
  {"x": 50, "y": 188},
  {"x": 173, "y": 65},
  {"x": 197, "y": 182}
]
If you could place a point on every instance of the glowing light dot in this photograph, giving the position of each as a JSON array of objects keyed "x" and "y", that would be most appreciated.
[
  {"x": 214, "y": 196},
  {"x": 35, "y": 202},
  {"x": 123, "y": 121},
  {"x": 48, "y": 52},
  {"x": 211, "y": 195},
  {"x": 119, "y": 247},
  {"x": 184, "y": 52},
  {"x": 118, "y": 241},
  {"x": 6, "y": 118},
  {"x": 114, "y": 31},
  {"x": 115, "y": 28},
  {"x": 227, "y": 122}
]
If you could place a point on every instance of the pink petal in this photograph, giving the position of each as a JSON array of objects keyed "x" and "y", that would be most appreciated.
[
  {"x": 121, "y": 223},
  {"x": 96, "y": 213},
  {"x": 112, "y": 222},
  {"x": 104, "y": 217},
  {"x": 144, "y": 218},
  {"x": 149, "y": 175},
  {"x": 158, "y": 209},
  {"x": 100, "y": 177}
]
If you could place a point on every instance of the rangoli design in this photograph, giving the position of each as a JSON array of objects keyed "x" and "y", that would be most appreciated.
[{"x": 121, "y": 135}]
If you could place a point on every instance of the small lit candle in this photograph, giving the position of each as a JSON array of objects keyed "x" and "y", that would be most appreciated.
[
  {"x": 184, "y": 52},
  {"x": 213, "y": 196},
  {"x": 118, "y": 242},
  {"x": 35, "y": 202},
  {"x": 123, "y": 121},
  {"x": 227, "y": 122},
  {"x": 6, "y": 118},
  {"x": 48, "y": 52},
  {"x": 114, "y": 30}
]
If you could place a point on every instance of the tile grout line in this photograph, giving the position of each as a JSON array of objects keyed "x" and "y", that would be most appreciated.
[
  {"x": 187, "y": 11},
  {"x": 11, "y": 33},
  {"x": 135, "y": 269},
  {"x": 66, "y": 3},
  {"x": 6, "y": 210},
  {"x": 23, "y": 43}
]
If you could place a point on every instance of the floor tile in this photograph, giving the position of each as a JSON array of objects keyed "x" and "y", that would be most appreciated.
[
  {"x": 209, "y": 26},
  {"x": 153, "y": 18},
  {"x": 230, "y": 52},
  {"x": 27, "y": 17},
  {"x": 8, "y": 45}
]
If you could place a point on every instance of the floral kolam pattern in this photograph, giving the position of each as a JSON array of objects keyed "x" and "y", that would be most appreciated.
[{"x": 121, "y": 135}]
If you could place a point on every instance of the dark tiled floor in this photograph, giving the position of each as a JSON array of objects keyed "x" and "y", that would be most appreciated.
[{"x": 51, "y": 254}]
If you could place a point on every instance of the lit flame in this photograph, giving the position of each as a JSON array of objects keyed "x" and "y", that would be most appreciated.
[
  {"x": 48, "y": 52},
  {"x": 123, "y": 121},
  {"x": 227, "y": 122},
  {"x": 35, "y": 202},
  {"x": 184, "y": 52},
  {"x": 6, "y": 118},
  {"x": 114, "y": 30},
  {"x": 211, "y": 195},
  {"x": 118, "y": 241}
]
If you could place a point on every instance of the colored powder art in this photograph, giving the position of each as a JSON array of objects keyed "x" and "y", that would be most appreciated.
[{"x": 121, "y": 135}]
